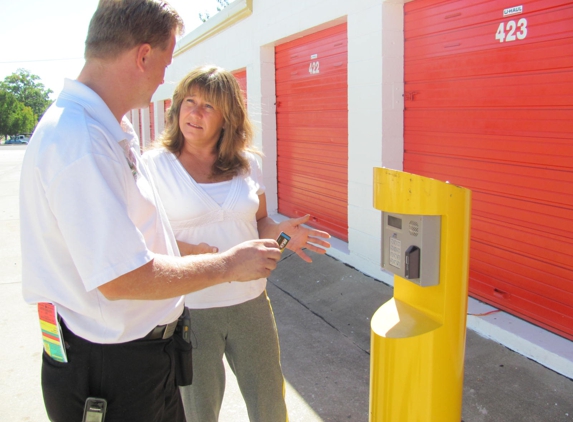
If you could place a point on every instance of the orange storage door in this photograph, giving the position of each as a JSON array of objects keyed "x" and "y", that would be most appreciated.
[
  {"x": 241, "y": 77},
  {"x": 489, "y": 106},
  {"x": 151, "y": 122},
  {"x": 312, "y": 129},
  {"x": 166, "y": 105}
]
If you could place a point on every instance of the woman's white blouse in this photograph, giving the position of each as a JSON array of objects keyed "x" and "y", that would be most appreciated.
[{"x": 219, "y": 214}]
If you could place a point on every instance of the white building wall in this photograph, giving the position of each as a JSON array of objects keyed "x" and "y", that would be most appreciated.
[
  {"x": 159, "y": 117},
  {"x": 375, "y": 87},
  {"x": 145, "y": 127},
  {"x": 262, "y": 80}
]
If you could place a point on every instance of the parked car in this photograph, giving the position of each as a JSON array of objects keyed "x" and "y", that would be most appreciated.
[{"x": 19, "y": 139}]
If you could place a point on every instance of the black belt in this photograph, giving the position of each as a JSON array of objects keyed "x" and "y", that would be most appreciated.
[{"x": 162, "y": 331}]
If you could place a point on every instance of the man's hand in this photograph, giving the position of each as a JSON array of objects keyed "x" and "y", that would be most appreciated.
[
  {"x": 252, "y": 260},
  {"x": 303, "y": 237},
  {"x": 168, "y": 276}
]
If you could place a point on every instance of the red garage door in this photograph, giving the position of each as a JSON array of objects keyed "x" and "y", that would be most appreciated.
[
  {"x": 312, "y": 129},
  {"x": 152, "y": 121},
  {"x": 241, "y": 77},
  {"x": 166, "y": 105},
  {"x": 489, "y": 106}
]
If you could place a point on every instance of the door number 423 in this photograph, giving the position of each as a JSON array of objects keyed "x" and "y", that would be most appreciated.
[{"x": 510, "y": 31}]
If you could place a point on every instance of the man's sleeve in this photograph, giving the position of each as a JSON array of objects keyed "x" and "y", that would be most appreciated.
[{"x": 89, "y": 200}]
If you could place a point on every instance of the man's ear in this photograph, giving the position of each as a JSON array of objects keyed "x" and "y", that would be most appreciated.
[{"x": 143, "y": 53}]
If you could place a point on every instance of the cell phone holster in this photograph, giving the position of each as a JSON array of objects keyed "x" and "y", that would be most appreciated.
[{"x": 183, "y": 350}]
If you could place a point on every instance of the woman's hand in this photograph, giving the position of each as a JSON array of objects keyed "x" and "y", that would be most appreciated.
[
  {"x": 201, "y": 248},
  {"x": 303, "y": 237}
]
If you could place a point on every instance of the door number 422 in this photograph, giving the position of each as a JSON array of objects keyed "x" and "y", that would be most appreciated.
[{"x": 514, "y": 30}]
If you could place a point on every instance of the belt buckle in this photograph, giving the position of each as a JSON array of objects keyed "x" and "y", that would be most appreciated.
[{"x": 169, "y": 330}]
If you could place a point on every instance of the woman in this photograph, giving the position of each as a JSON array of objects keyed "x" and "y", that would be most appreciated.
[{"x": 211, "y": 186}]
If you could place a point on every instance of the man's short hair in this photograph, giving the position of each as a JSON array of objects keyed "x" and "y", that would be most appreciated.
[{"x": 120, "y": 25}]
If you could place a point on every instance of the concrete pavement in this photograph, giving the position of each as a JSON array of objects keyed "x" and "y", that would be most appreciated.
[{"x": 323, "y": 314}]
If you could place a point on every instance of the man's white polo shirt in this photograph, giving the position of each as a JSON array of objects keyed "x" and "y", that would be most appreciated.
[{"x": 89, "y": 214}]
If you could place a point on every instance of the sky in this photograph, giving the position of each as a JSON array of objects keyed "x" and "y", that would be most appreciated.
[{"x": 47, "y": 37}]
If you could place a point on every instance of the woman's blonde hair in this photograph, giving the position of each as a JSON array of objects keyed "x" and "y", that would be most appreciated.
[{"x": 220, "y": 88}]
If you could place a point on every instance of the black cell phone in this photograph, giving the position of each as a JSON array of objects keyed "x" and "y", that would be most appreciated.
[
  {"x": 94, "y": 410},
  {"x": 283, "y": 240}
]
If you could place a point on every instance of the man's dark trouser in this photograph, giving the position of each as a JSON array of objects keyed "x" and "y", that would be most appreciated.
[{"x": 137, "y": 379}]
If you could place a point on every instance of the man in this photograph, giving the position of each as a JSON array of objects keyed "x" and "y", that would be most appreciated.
[{"x": 95, "y": 239}]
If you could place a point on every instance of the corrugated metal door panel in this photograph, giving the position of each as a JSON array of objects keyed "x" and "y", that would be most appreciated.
[
  {"x": 312, "y": 129},
  {"x": 241, "y": 77},
  {"x": 294, "y": 79},
  {"x": 309, "y": 151},
  {"x": 328, "y": 135},
  {"x": 503, "y": 264},
  {"x": 509, "y": 212},
  {"x": 437, "y": 15},
  {"x": 317, "y": 185},
  {"x": 545, "y": 89},
  {"x": 538, "y": 151},
  {"x": 473, "y": 25},
  {"x": 316, "y": 118},
  {"x": 152, "y": 121},
  {"x": 293, "y": 48},
  {"x": 514, "y": 272},
  {"x": 539, "y": 57},
  {"x": 328, "y": 209},
  {"x": 527, "y": 122},
  {"x": 497, "y": 117},
  {"x": 329, "y": 101},
  {"x": 290, "y": 90},
  {"x": 323, "y": 47},
  {"x": 166, "y": 105},
  {"x": 526, "y": 305},
  {"x": 526, "y": 243},
  {"x": 539, "y": 216},
  {"x": 541, "y": 185}
]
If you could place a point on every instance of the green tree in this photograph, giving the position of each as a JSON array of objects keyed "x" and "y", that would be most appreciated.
[
  {"x": 204, "y": 16},
  {"x": 222, "y": 4},
  {"x": 28, "y": 90},
  {"x": 15, "y": 117}
]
